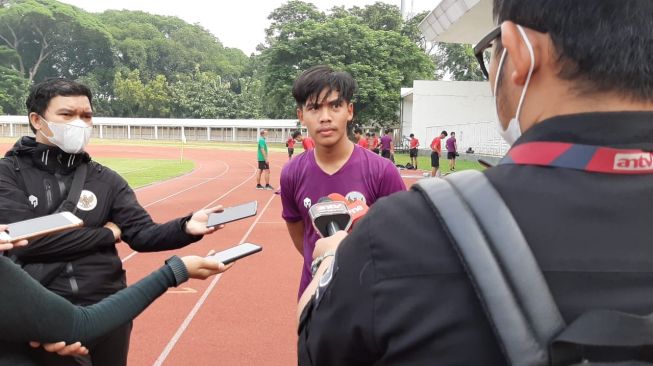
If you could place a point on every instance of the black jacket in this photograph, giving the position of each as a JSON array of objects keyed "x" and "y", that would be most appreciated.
[
  {"x": 81, "y": 264},
  {"x": 400, "y": 296}
]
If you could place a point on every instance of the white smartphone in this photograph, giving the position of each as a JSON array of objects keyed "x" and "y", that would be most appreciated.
[
  {"x": 239, "y": 251},
  {"x": 43, "y": 225},
  {"x": 230, "y": 214}
]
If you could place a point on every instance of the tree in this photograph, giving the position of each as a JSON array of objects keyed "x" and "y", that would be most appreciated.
[
  {"x": 380, "y": 16},
  {"x": 203, "y": 95},
  {"x": 53, "y": 39},
  {"x": 13, "y": 86},
  {"x": 287, "y": 20},
  {"x": 381, "y": 62},
  {"x": 458, "y": 62},
  {"x": 162, "y": 45},
  {"x": 412, "y": 31}
]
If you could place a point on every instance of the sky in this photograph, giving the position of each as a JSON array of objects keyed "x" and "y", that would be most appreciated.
[{"x": 236, "y": 23}]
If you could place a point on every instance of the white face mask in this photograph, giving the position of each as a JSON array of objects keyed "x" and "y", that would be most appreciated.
[
  {"x": 513, "y": 132},
  {"x": 71, "y": 137}
]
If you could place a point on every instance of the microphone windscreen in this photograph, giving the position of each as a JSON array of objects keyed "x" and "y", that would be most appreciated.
[
  {"x": 324, "y": 199},
  {"x": 324, "y": 213},
  {"x": 357, "y": 209},
  {"x": 337, "y": 197}
]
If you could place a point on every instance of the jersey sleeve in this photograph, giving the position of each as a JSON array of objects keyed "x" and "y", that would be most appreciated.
[{"x": 290, "y": 211}]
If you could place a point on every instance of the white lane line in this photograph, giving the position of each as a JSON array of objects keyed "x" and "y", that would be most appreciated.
[
  {"x": 233, "y": 189},
  {"x": 184, "y": 325},
  {"x": 132, "y": 254},
  {"x": 194, "y": 171},
  {"x": 189, "y": 188}
]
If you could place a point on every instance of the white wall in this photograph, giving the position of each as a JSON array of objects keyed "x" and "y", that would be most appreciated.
[{"x": 466, "y": 107}]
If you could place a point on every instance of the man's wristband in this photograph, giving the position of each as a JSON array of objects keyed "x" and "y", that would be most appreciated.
[{"x": 317, "y": 261}]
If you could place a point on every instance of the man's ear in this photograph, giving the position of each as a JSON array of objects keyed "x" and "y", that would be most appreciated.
[
  {"x": 518, "y": 51},
  {"x": 36, "y": 121},
  {"x": 350, "y": 112}
]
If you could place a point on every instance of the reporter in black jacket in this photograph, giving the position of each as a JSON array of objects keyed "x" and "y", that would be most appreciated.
[{"x": 81, "y": 265}]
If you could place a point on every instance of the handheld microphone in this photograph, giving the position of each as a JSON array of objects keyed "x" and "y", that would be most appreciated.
[
  {"x": 329, "y": 216},
  {"x": 357, "y": 208}
]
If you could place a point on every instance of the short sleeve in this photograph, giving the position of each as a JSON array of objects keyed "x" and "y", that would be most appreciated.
[{"x": 290, "y": 211}]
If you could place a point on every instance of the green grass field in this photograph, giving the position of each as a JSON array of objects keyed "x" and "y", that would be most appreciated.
[
  {"x": 141, "y": 172},
  {"x": 424, "y": 162}
]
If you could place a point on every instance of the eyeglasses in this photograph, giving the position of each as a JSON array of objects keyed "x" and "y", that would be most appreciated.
[{"x": 483, "y": 45}]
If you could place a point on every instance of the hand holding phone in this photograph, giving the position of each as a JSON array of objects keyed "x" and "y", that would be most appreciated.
[
  {"x": 239, "y": 251},
  {"x": 230, "y": 214}
]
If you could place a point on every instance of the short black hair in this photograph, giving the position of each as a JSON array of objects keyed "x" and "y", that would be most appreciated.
[
  {"x": 602, "y": 45},
  {"x": 296, "y": 134},
  {"x": 308, "y": 86},
  {"x": 412, "y": 135},
  {"x": 373, "y": 133},
  {"x": 452, "y": 133},
  {"x": 358, "y": 130},
  {"x": 388, "y": 130},
  {"x": 42, "y": 93},
  {"x": 444, "y": 133},
  {"x": 368, "y": 134}
]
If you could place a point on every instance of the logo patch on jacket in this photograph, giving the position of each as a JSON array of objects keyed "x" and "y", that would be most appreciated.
[
  {"x": 87, "y": 201},
  {"x": 33, "y": 200}
]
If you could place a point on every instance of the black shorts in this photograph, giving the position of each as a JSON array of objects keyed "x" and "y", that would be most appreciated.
[
  {"x": 291, "y": 150},
  {"x": 451, "y": 155},
  {"x": 263, "y": 165},
  {"x": 435, "y": 160},
  {"x": 413, "y": 153},
  {"x": 376, "y": 151},
  {"x": 385, "y": 154}
]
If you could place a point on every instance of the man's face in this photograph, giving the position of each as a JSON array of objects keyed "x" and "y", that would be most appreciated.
[
  {"x": 325, "y": 118},
  {"x": 63, "y": 110}
]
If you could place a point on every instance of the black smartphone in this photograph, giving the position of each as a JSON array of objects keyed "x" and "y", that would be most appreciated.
[
  {"x": 43, "y": 225},
  {"x": 239, "y": 251},
  {"x": 230, "y": 214}
]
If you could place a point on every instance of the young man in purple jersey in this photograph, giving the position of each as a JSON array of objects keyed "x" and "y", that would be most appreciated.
[{"x": 336, "y": 165}]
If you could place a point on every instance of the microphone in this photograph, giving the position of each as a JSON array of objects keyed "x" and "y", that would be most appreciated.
[
  {"x": 357, "y": 208},
  {"x": 329, "y": 216}
]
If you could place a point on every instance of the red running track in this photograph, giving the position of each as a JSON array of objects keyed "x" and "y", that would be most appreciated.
[{"x": 247, "y": 315}]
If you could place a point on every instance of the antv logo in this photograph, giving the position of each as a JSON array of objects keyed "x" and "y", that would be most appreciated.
[{"x": 638, "y": 161}]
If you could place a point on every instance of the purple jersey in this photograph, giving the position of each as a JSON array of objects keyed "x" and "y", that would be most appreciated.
[
  {"x": 365, "y": 175},
  {"x": 385, "y": 142},
  {"x": 451, "y": 144}
]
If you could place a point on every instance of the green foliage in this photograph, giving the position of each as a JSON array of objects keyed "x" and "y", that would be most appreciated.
[
  {"x": 382, "y": 61},
  {"x": 380, "y": 16},
  {"x": 202, "y": 95},
  {"x": 458, "y": 62},
  {"x": 162, "y": 45},
  {"x": 13, "y": 86},
  {"x": 40, "y": 33},
  {"x": 136, "y": 99}
]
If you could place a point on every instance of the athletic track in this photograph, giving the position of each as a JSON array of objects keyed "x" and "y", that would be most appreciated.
[{"x": 247, "y": 315}]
